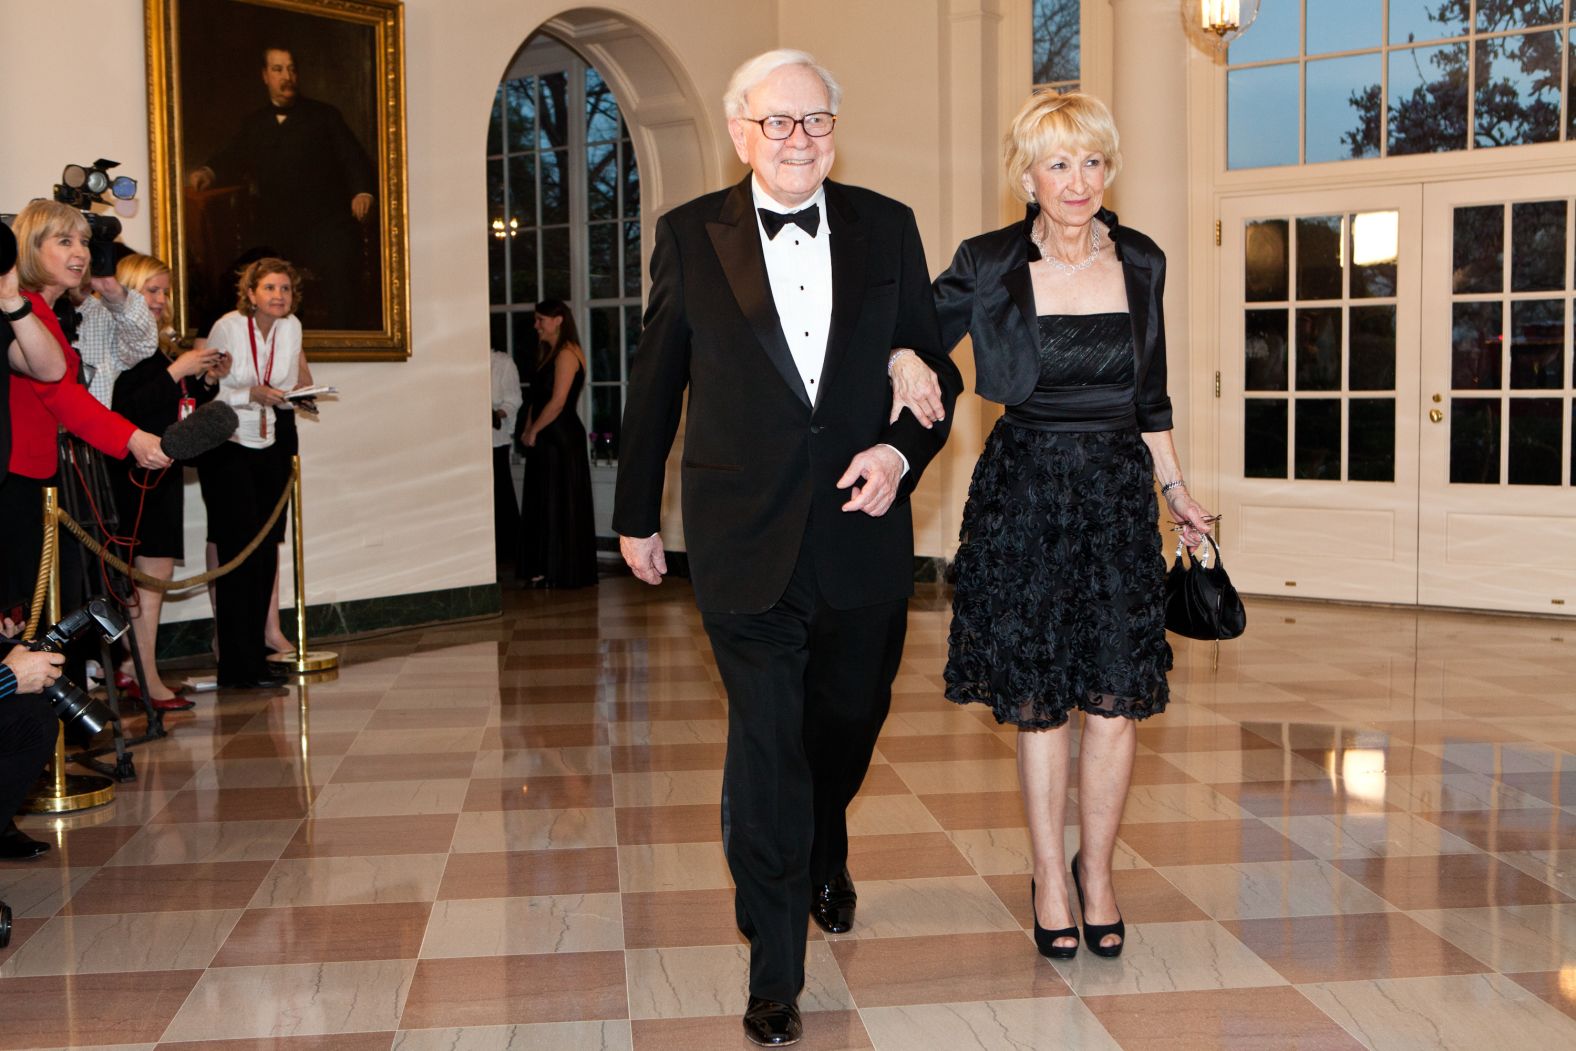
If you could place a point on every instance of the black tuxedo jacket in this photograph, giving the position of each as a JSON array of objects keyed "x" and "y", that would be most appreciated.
[
  {"x": 987, "y": 292},
  {"x": 760, "y": 460}
]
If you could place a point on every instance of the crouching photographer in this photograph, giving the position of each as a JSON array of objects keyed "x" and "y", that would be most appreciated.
[{"x": 28, "y": 728}]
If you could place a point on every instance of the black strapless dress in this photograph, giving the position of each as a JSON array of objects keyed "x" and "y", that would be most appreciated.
[{"x": 1060, "y": 574}]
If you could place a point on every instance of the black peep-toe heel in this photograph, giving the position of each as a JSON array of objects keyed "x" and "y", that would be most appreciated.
[
  {"x": 1045, "y": 940},
  {"x": 1094, "y": 932}
]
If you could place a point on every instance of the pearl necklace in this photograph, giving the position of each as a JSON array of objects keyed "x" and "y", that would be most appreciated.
[{"x": 1071, "y": 268}]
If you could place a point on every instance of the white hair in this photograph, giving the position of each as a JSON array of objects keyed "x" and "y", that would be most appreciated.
[{"x": 764, "y": 65}]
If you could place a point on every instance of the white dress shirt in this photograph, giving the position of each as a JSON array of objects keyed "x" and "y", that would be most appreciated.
[
  {"x": 229, "y": 334},
  {"x": 113, "y": 337},
  {"x": 799, "y": 269},
  {"x": 505, "y": 396}
]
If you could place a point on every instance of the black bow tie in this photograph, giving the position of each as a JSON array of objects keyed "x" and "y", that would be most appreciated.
[{"x": 807, "y": 219}]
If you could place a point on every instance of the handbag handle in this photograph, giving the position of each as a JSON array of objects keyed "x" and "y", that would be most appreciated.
[{"x": 1202, "y": 561}]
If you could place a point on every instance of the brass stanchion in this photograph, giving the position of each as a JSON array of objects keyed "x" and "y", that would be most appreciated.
[
  {"x": 301, "y": 659},
  {"x": 58, "y": 792}
]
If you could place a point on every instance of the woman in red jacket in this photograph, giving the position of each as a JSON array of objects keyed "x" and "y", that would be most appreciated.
[{"x": 52, "y": 255}]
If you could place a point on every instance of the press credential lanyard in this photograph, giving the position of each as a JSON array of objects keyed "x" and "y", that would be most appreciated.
[{"x": 264, "y": 376}]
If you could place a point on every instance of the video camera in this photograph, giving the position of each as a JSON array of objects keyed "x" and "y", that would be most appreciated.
[
  {"x": 82, "y": 716},
  {"x": 84, "y": 186}
]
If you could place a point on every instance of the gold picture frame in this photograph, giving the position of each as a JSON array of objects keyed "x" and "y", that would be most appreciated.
[{"x": 228, "y": 184}]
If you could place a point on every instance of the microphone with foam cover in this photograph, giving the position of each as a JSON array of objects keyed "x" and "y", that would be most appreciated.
[{"x": 207, "y": 428}]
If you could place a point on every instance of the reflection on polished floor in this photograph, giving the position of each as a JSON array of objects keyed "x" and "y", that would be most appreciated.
[{"x": 1358, "y": 831}]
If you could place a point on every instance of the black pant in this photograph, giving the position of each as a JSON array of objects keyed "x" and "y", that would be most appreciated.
[
  {"x": 808, "y": 689},
  {"x": 27, "y": 740},
  {"x": 240, "y": 487},
  {"x": 22, "y": 522},
  {"x": 506, "y": 507}
]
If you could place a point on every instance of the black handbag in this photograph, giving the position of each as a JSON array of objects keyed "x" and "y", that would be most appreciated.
[{"x": 1200, "y": 601}]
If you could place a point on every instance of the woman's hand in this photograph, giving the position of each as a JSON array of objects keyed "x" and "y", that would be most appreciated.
[
  {"x": 528, "y": 437},
  {"x": 147, "y": 450},
  {"x": 262, "y": 394},
  {"x": 914, "y": 387},
  {"x": 1190, "y": 515},
  {"x": 10, "y": 291},
  {"x": 221, "y": 367},
  {"x": 194, "y": 363}
]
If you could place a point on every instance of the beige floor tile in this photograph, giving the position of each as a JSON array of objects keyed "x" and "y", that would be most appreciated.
[
  {"x": 1054, "y": 1022},
  {"x": 907, "y": 908},
  {"x": 889, "y": 815},
  {"x": 40, "y": 892},
  {"x": 207, "y": 841},
  {"x": 670, "y": 731},
  {"x": 961, "y": 721},
  {"x": 673, "y": 866},
  {"x": 668, "y": 788},
  {"x": 559, "y": 1036},
  {"x": 1423, "y": 793},
  {"x": 1461, "y": 1013},
  {"x": 1220, "y": 1020},
  {"x": 536, "y": 762},
  {"x": 1511, "y": 938},
  {"x": 351, "y": 881},
  {"x": 1272, "y": 888},
  {"x": 995, "y": 851},
  {"x": 147, "y": 941},
  {"x": 1384, "y": 834},
  {"x": 1170, "y": 957},
  {"x": 962, "y": 775},
  {"x": 714, "y": 979},
  {"x": 511, "y": 926},
  {"x": 1255, "y": 765},
  {"x": 395, "y": 742},
  {"x": 389, "y": 798},
  {"x": 1557, "y": 868},
  {"x": 294, "y": 1000},
  {"x": 1147, "y": 803},
  {"x": 266, "y": 773},
  {"x": 499, "y": 830}
]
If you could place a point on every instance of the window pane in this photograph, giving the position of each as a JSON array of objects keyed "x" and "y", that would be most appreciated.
[
  {"x": 1375, "y": 247},
  {"x": 1371, "y": 352},
  {"x": 601, "y": 109},
  {"x": 1428, "y": 99},
  {"x": 520, "y": 117},
  {"x": 522, "y": 262},
  {"x": 498, "y": 331},
  {"x": 605, "y": 419},
  {"x": 495, "y": 124},
  {"x": 1343, "y": 25},
  {"x": 1496, "y": 15},
  {"x": 553, "y": 117},
  {"x": 555, "y": 196},
  {"x": 1318, "y": 441},
  {"x": 1474, "y": 441},
  {"x": 631, "y": 176},
  {"x": 604, "y": 349},
  {"x": 1264, "y": 350},
  {"x": 632, "y": 259},
  {"x": 522, "y": 190},
  {"x": 1276, "y": 33},
  {"x": 1261, "y": 127},
  {"x": 1537, "y": 246},
  {"x": 1370, "y": 437},
  {"x": 1537, "y": 344},
  {"x": 602, "y": 182},
  {"x": 1518, "y": 89},
  {"x": 555, "y": 263},
  {"x": 1475, "y": 335},
  {"x": 1055, "y": 40},
  {"x": 1479, "y": 252},
  {"x": 1319, "y": 257},
  {"x": 631, "y": 337},
  {"x": 497, "y": 270},
  {"x": 1264, "y": 244},
  {"x": 495, "y": 203},
  {"x": 1343, "y": 108},
  {"x": 1423, "y": 20},
  {"x": 1319, "y": 349},
  {"x": 526, "y": 345},
  {"x": 1535, "y": 440},
  {"x": 602, "y": 266},
  {"x": 1264, "y": 438}
]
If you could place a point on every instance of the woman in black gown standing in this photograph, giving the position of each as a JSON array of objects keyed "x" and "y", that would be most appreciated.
[
  {"x": 1059, "y": 602},
  {"x": 559, "y": 529}
]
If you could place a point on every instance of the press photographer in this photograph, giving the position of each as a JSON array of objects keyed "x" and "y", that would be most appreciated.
[{"x": 28, "y": 728}]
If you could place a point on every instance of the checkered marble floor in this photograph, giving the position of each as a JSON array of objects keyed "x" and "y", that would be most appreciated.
[{"x": 1358, "y": 831}]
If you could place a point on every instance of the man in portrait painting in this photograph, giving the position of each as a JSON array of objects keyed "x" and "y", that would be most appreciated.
[{"x": 311, "y": 187}]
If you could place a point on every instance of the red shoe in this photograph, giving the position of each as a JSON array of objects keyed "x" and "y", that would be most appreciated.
[
  {"x": 127, "y": 686},
  {"x": 173, "y": 703}
]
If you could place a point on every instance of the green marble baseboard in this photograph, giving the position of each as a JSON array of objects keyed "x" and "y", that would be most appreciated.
[{"x": 337, "y": 619}]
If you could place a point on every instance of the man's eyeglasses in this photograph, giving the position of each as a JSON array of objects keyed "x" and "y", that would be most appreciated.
[{"x": 780, "y": 125}]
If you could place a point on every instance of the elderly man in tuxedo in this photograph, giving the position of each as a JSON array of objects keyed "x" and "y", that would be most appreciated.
[{"x": 778, "y": 303}]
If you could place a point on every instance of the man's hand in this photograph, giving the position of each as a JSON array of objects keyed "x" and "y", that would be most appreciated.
[
  {"x": 644, "y": 556},
  {"x": 109, "y": 288},
  {"x": 360, "y": 205},
  {"x": 33, "y": 671},
  {"x": 914, "y": 387},
  {"x": 145, "y": 449},
  {"x": 200, "y": 179},
  {"x": 878, "y": 469}
]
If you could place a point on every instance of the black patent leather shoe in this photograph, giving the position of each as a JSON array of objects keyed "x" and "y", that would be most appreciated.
[
  {"x": 832, "y": 905},
  {"x": 16, "y": 845},
  {"x": 768, "y": 1023}
]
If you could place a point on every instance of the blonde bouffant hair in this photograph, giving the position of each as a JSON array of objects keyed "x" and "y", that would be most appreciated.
[
  {"x": 1050, "y": 122},
  {"x": 134, "y": 272},
  {"x": 34, "y": 225},
  {"x": 252, "y": 276}
]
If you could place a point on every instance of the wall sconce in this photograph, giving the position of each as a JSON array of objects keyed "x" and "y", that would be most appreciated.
[{"x": 1226, "y": 19}]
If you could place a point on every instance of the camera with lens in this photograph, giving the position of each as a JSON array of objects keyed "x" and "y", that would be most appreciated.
[
  {"x": 82, "y": 716},
  {"x": 5, "y": 925},
  {"x": 83, "y": 186}
]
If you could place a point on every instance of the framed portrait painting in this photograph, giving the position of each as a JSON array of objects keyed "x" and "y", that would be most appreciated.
[{"x": 277, "y": 129}]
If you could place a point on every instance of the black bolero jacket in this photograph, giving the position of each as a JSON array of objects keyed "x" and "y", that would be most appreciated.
[{"x": 988, "y": 294}]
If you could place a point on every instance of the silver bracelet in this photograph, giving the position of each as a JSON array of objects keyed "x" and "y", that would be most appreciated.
[
  {"x": 1178, "y": 484},
  {"x": 891, "y": 361}
]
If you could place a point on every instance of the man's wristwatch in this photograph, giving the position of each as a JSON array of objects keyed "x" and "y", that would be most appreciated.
[{"x": 20, "y": 312}]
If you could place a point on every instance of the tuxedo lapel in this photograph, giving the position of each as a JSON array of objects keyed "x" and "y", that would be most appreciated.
[
  {"x": 736, "y": 239},
  {"x": 849, "y": 242}
]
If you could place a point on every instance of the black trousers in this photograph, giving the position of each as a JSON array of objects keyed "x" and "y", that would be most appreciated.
[
  {"x": 27, "y": 740},
  {"x": 240, "y": 487},
  {"x": 506, "y": 507},
  {"x": 808, "y": 689}
]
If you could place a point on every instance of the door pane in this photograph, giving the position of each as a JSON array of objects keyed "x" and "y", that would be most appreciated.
[
  {"x": 604, "y": 344},
  {"x": 602, "y": 181},
  {"x": 553, "y": 116},
  {"x": 1475, "y": 334},
  {"x": 497, "y": 271},
  {"x": 1375, "y": 246},
  {"x": 632, "y": 259},
  {"x": 1264, "y": 438},
  {"x": 631, "y": 336},
  {"x": 1318, "y": 439},
  {"x": 1424, "y": 20},
  {"x": 1371, "y": 439},
  {"x": 555, "y": 263},
  {"x": 605, "y": 415},
  {"x": 1264, "y": 350},
  {"x": 1319, "y": 349},
  {"x": 526, "y": 345},
  {"x": 1338, "y": 89},
  {"x": 1518, "y": 93},
  {"x": 631, "y": 176},
  {"x": 1537, "y": 246},
  {"x": 555, "y": 191},
  {"x": 520, "y": 113},
  {"x": 1371, "y": 349},
  {"x": 1535, "y": 440},
  {"x": 1479, "y": 249},
  {"x": 523, "y": 268},
  {"x": 522, "y": 190},
  {"x": 602, "y": 264},
  {"x": 601, "y": 110},
  {"x": 1428, "y": 100},
  {"x": 1537, "y": 344},
  {"x": 1474, "y": 441},
  {"x": 1319, "y": 257},
  {"x": 1261, "y": 114},
  {"x": 1264, "y": 244}
]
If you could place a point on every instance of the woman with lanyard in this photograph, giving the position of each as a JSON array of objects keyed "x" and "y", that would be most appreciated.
[{"x": 242, "y": 479}]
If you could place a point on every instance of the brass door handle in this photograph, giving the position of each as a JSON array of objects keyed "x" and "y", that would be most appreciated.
[{"x": 1435, "y": 415}]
